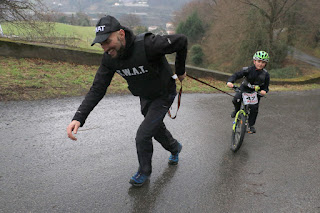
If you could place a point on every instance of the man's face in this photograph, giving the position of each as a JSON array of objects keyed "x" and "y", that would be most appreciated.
[
  {"x": 259, "y": 64},
  {"x": 115, "y": 44}
]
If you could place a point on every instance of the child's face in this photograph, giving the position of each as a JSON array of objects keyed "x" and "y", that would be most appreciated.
[{"x": 259, "y": 64}]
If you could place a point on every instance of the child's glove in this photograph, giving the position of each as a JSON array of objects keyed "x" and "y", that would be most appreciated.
[{"x": 256, "y": 88}]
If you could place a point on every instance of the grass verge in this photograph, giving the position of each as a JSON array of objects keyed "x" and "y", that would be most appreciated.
[
  {"x": 32, "y": 79},
  {"x": 60, "y": 35}
]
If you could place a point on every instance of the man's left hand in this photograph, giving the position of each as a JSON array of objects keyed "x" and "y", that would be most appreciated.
[{"x": 181, "y": 77}]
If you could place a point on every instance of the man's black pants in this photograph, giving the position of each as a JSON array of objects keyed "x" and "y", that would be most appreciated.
[{"x": 152, "y": 126}]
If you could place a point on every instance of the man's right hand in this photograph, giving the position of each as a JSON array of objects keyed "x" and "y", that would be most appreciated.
[
  {"x": 73, "y": 127},
  {"x": 181, "y": 77}
]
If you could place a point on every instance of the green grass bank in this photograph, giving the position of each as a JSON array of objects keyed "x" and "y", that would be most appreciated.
[{"x": 33, "y": 79}]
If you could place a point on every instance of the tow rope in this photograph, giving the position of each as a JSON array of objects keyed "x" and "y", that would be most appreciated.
[
  {"x": 180, "y": 93},
  {"x": 179, "y": 101},
  {"x": 209, "y": 85}
]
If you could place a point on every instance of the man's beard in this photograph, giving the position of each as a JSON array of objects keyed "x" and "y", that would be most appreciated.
[{"x": 120, "y": 52}]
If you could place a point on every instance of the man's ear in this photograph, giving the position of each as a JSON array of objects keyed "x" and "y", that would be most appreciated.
[{"x": 122, "y": 33}]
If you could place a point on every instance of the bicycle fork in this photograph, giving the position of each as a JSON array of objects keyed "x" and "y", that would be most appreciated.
[{"x": 236, "y": 119}]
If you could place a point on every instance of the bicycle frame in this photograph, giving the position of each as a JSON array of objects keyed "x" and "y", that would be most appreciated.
[{"x": 242, "y": 110}]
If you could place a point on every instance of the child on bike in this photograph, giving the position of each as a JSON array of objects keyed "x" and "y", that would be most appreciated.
[{"x": 255, "y": 78}]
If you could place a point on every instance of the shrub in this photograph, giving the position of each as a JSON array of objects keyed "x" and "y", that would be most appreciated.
[
  {"x": 286, "y": 72},
  {"x": 196, "y": 54}
]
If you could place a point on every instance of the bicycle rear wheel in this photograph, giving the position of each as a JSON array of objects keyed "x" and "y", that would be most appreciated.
[{"x": 238, "y": 133}]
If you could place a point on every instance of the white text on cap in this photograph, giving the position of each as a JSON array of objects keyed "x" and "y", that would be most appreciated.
[{"x": 100, "y": 28}]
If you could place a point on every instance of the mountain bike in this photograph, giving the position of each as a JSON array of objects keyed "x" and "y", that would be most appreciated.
[{"x": 240, "y": 123}]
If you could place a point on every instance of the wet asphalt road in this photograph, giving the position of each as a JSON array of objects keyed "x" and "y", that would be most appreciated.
[{"x": 276, "y": 170}]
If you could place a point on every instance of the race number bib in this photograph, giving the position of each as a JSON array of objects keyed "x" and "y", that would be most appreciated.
[{"x": 250, "y": 98}]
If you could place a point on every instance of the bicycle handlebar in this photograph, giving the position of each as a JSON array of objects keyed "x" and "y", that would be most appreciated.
[{"x": 237, "y": 89}]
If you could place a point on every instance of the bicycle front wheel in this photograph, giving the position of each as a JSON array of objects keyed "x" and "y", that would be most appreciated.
[{"x": 238, "y": 133}]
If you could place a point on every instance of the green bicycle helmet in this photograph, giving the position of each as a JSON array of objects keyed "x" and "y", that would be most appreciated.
[{"x": 261, "y": 55}]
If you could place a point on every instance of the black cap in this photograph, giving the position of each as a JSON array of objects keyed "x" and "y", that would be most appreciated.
[{"x": 105, "y": 26}]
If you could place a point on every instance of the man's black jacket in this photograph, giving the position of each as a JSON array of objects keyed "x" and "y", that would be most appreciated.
[{"x": 155, "y": 48}]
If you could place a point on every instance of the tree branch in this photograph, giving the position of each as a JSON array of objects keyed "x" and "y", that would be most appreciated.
[{"x": 263, "y": 12}]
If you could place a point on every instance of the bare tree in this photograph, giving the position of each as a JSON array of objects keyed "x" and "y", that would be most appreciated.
[
  {"x": 275, "y": 11},
  {"x": 22, "y": 10},
  {"x": 239, "y": 29},
  {"x": 236, "y": 29},
  {"x": 224, "y": 36},
  {"x": 25, "y": 14},
  {"x": 304, "y": 25}
]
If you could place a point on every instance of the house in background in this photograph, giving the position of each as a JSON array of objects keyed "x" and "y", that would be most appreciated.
[{"x": 170, "y": 28}]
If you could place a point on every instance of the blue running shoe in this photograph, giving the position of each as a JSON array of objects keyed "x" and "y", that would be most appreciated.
[
  {"x": 174, "y": 159},
  {"x": 138, "y": 179}
]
